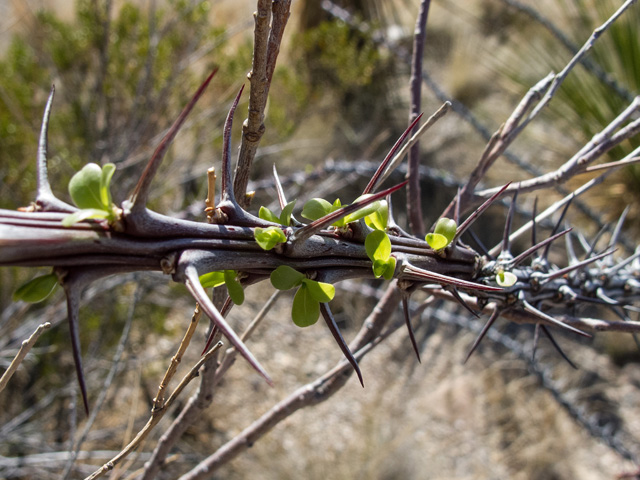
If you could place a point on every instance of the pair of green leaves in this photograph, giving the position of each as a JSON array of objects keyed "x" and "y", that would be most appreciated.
[
  {"x": 378, "y": 247},
  {"x": 36, "y": 290},
  {"x": 91, "y": 192},
  {"x": 283, "y": 219},
  {"x": 376, "y": 213},
  {"x": 229, "y": 278},
  {"x": 443, "y": 234},
  {"x": 306, "y": 302},
  {"x": 269, "y": 237}
]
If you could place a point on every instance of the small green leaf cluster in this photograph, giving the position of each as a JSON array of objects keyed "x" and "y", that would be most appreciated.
[
  {"x": 91, "y": 192},
  {"x": 269, "y": 237},
  {"x": 443, "y": 234},
  {"x": 317, "y": 208},
  {"x": 283, "y": 219},
  {"x": 229, "y": 278},
  {"x": 306, "y": 302},
  {"x": 37, "y": 289}
]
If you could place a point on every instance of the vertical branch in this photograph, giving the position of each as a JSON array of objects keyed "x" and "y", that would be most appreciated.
[
  {"x": 414, "y": 207},
  {"x": 265, "y": 53}
]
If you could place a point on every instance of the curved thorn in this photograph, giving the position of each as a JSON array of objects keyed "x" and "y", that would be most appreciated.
[
  {"x": 72, "y": 292},
  {"x": 335, "y": 331},
  {"x": 548, "y": 318},
  {"x": 227, "y": 182},
  {"x": 546, "y": 331},
  {"x": 380, "y": 170},
  {"x": 478, "y": 211},
  {"x": 138, "y": 198},
  {"x": 407, "y": 320},
  {"x": 494, "y": 316},
  {"x": 571, "y": 253},
  {"x": 192, "y": 282}
]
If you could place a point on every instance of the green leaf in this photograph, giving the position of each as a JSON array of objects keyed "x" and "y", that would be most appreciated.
[
  {"x": 337, "y": 204},
  {"x": 234, "y": 287},
  {"x": 212, "y": 279},
  {"x": 285, "y": 216},
  {"x": 391, "y": 269},
  {"x": 84, "y": 214},
  {"x": 284, "y": 277},
  {"x": 320, "y": 291},
  {"x": 85, "y": 188},
  {"x": 506, "y": 279},
  {"x": 364, "y": 211},
  {"x": 265, "y": 214},
  {"x": 269, "y": 237},
  {"x": 37, "y": 289},
  {"x": 447, "y": 228},
  {"x": 379, "y": 219},
  {"x": 105, "y": 184},
  {"x": 316, "y": 208},
  {"x": 378, "y": 245},
  {"x": 384, "y": 268},
  {"x": 305, "y": 310},
  {"x": 436, "y": 241}
]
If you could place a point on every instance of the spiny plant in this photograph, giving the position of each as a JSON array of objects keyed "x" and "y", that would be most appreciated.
[{"x": 237, "y": 248}]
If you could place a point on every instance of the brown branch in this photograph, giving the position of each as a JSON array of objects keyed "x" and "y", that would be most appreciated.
[
  {"x": 25, "y": 347},
  {"x": 265, "y": 53}
]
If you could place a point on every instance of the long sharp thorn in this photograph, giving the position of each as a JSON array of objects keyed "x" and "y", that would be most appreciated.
[
  {"x": 545, "y": 253},
  {"x": 214, "y": 328},
  {"x": 282, "y": 199},
  {"x": 42, "y": 180},
  {"x": 72, "y": 292},
  {"x": 616, "y": 232},
  {"x": 531, "y": 250},
  {"x": 461, "y": 301},
  {"x": 546, "y": 331},
  {"x": 335, "y": 331},
  {"x": 481, "y": 246},
  {"x": 478, "y": 211},
  {"x": 407, "y": 320},
  {"x": 192, "y": 282},
  {"x": 575, "y": 266},
  {"x": 414, "y": 273},
  {"x": 374, "y": 179},
  {"x": 506, "y": 247},
  {"x": 140, "y": 194},
  {"x": 456, "y": 213},
  {"x": 571, "y": 253},
  {"x": 494, "y": 316},
  {"x": 321, "y": 223},
  {"x": 533, "y": 222},
  {"x": 227, "y": 182},
  {"x": 548, "y": 318},
  {"x": 536, "y": 340},
  {"x": 591, "y": 248}
]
